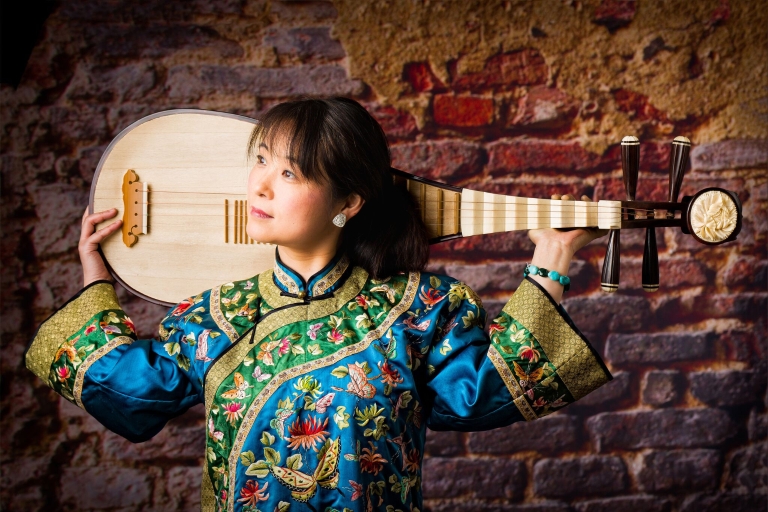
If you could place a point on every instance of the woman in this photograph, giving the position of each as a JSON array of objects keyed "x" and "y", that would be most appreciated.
[{"x": 320, "y": 376}]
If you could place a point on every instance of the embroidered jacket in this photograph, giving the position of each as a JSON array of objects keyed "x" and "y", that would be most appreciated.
[{"x": 317, "y": 395}]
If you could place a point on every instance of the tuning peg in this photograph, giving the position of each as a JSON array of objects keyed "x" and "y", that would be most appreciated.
[
  {"x": 650, "y": 262},
  {"x": 678, "y": 161},
  {"x": 630, "y": 166}
]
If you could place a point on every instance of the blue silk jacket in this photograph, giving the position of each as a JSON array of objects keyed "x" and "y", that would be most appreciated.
[{"x": 318, "y": 394}]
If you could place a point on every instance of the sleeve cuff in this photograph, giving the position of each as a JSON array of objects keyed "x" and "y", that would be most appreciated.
[
  {"x": 543, "y": 358},
  {"x": 65, "y": 322}
]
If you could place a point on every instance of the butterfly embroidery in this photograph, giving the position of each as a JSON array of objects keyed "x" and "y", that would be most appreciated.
[
  {"x": 201, "y": 354},
  {"x": 303, "y": 486},
  {"x": 231, "y": 302},
  {"x": 421, "y": 326},
  {"x": 386, "y": 289},
  {"x": 278, "y": 422},
  {"x": 259, "y": 375},
  {"x": 528, "y": 379},
  {"x": 239, "y": 390},
  {"x": 358, "y": 382},
  {"x": 312, "y": 332},
  {"x": 325, "y": 402}
]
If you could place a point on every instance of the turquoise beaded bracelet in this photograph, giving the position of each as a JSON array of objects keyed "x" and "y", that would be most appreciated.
[{"x": 552, "y": 274}]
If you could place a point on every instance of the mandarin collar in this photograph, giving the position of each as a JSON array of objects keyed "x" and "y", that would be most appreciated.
[{"x": 324, "y": 282}]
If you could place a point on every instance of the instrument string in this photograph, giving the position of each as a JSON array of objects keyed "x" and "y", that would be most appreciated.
[{"x": 595, "y": 206}]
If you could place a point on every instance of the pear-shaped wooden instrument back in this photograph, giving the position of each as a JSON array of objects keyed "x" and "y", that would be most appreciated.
[{"x": 194, "y": 166}]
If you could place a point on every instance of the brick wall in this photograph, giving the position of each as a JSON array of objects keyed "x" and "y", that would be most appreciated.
[{"x": 515, "y": 97}]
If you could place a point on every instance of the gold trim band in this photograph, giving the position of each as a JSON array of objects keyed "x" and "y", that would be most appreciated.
[
  {"x": 514, "y": 388},
  {"x": 66, "y": 322},
  {"x": 218, "y": 315},
  {"x": 563, "y": 347},
  {"x": 94, "y": 356}
]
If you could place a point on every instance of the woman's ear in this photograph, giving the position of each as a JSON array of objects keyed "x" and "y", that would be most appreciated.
[{"x": 352, "y": 205}]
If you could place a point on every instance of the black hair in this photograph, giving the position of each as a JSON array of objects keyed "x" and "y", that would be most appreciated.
[{"x": 336, "y": 141}]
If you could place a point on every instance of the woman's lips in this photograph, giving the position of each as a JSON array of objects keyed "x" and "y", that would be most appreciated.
[{"x": 259, "y": 213}]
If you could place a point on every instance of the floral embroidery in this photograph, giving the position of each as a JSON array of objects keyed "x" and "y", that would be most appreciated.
[
  {"x": 371, "y": 461},
  {"x": 251, "y": 494},
  {"x": 306, "y": 434}
]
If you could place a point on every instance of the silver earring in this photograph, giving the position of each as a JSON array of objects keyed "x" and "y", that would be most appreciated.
[{"x": 340, "y": 220}]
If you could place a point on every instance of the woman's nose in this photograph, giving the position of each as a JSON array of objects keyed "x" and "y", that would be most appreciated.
[{"x": 262, "y": 185}]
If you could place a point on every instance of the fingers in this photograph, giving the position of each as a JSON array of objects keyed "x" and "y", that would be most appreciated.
[
  {"x": 568, "y": 197},
  {"x": 90, "y": 221},
  {"x": 89, "y": 236}
]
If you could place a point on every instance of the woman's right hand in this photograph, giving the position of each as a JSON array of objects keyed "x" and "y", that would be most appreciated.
[{"x": 94, "y": 268}]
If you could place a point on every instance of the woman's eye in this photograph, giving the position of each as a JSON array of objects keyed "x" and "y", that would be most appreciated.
[
  {"x": 260, "y": 159},
  {"x": 288, "y": 174}
]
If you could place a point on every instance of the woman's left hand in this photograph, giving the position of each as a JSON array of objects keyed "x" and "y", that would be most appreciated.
[
  {"x": 555, "y": 249},
  {"x": 571, "y": 240}
]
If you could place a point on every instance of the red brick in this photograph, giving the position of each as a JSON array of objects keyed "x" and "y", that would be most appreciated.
[
  {"x": 182, "y": 439},
  {"x": 614, "y": 312},
  {"x": 513, "y": 243},
  {"x": 421, "y": 78},
  {"x": 543, "y": 107},
  {"x": 746, "y": 271},
  {"x": 663, "y": 428},
  {"x": 662, "y": 387},
  {"x": 654, "y": 157},
  {"x": 59, "y": 208},
  {"x": 444, "y": 444},
  {"x": 730, "y": 154},
  {"x": 746, "y": 306},
  {"x": 510, "y": 156},
  {"x": 614, "y": 14},
  {"x": 306, "y": 43},
  {"x": 673, "y": 272},
  {"x": 637, "y": 106},
  {"x": 447, "y": 161},
  {"x": 480, "y": 505},
  {"x": 635, "y": 502},
  {"x": 462, "y": 111},
  {"x": 398, "y": 125},
  {"x": 579, "y": 476},
  {"x": 728, "y": 388},
  {"x": 613, "y": 391},
  {"x": 563, "y": 433},
  {"x": 459, "y": 476},
  {"x": 658, "y": 348},
  {"x": 527, "y": 188},
  {"x": 739, "y": 344},
  {"x": 107, "y": 84},
  {"x": 155, "y": 40},
  {"x": 191, "y": 83},
  {"x": 679, "y": 470},
  {"x": 757, "y": 425},
  {"x": 748, "y": 469},
  {"x": 721, "y": 501},
  {"x": 105, "y": 487},
  {"x": 504, "y": 71}
]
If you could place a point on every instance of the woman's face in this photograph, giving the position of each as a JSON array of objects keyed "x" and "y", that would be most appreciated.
[{"x": 283, "y": 207}]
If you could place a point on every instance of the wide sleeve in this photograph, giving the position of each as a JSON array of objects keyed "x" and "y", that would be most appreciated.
[
  {"x": 88, "y": 352},
  {"x": 532, "y": 361}
]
